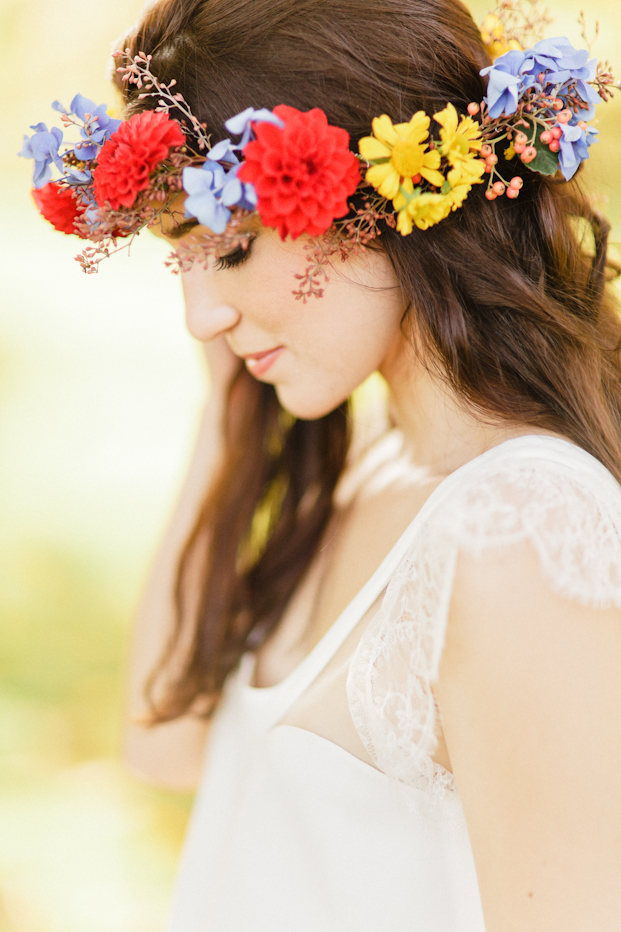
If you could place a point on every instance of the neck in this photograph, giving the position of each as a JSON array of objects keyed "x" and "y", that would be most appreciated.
[{"x": 440, "y": 430}]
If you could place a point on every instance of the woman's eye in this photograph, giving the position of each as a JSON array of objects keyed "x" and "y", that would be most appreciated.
[{"x": 235, "y": 258}]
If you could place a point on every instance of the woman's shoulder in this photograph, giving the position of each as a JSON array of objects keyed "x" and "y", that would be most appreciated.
[{"x": 551, "y": 494}]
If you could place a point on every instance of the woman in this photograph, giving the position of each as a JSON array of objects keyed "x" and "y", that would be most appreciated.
[{"x": 400, "y": 656}]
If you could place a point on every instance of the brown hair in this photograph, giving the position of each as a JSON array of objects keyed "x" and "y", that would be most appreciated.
[{"x": 508, "y": 308}]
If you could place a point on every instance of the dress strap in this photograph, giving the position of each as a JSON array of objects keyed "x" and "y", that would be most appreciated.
[{"x": 281, "y": 697}]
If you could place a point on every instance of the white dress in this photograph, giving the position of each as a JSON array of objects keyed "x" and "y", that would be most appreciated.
[{"x": 291, "y": 832}]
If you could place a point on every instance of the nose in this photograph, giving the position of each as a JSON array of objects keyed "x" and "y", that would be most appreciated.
[{"x": 207, "y": 316}]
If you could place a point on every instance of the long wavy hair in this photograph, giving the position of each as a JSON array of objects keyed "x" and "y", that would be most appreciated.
[{"x": 509, "y": 298}]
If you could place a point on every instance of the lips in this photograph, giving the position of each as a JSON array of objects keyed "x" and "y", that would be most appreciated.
[{"x": 258, "y": 363}]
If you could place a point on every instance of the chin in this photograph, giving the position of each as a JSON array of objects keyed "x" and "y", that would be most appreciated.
[{"x": 307, "y": 408}]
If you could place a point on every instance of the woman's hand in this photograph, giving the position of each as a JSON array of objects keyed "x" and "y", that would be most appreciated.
[{"x": 171, "y": 754}]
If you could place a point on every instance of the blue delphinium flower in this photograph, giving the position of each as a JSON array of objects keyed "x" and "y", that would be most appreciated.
[
  {"x": 513, "y": 73},
  {"x": 212, "y": 191},
  {"x": 559, "y": 61},
  {"x": 43, "y": 148},
  {"x": 101, "y": 125},
  {"x": 505, "y": 83}
]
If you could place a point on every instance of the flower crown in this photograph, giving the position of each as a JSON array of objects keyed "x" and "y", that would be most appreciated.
[{"x": 296, "y": 171}]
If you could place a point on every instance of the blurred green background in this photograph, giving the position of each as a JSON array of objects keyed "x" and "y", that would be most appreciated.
[{"x": 100, "y": 388}]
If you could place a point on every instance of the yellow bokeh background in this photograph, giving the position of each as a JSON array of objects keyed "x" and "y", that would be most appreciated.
[{"x": 100, "y": 388}]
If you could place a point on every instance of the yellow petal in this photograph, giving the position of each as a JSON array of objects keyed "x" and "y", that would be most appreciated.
[
  {"x": 384, "y": 130},
  {"x": 436, "y": 178},
  {"x": 404, "y": 223},
  {"x": 429, "y": 209},
  {"x": 469, "y": 170},
  {"x": 406, "y": 188},
  {"x": 390, "y": 187},
  {"x": 458, "y": 195},
  {"x": 371, "y": 148},
  {"x": 432, "y": 159},
  {"x": 418, "y": 127},
  {"x": 447, "y": 118},
  {"x": 384, "y": 179},
  {"x": 476, "y": 168},
  {"x": 378, "y": 173}
]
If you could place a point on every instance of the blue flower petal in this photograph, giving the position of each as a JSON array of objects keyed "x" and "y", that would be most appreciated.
[
  {"x": 249, "y": 199},
  {"x": 26, "y": 150},
  {"x": 74, "y": 176},
  {"x": 207, "y": 211},
  {"x": 502, "y": 93},
  {"x": 86, "y": 153},
  {"x": 574, "y": 150},
  {"x": 80, "y": 106},
  {"x": 195, "y": 181},
  {"x": 240, "y": 124},
  {"x": 509, "y": 63},
  {"x": 232, "y": 192},
  {"x": 223, "y": 152}
]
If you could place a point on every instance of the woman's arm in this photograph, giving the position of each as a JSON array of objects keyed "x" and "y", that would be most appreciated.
[
  {"x": 530, "y": 699},
  {"x": 171, "y": 754}
]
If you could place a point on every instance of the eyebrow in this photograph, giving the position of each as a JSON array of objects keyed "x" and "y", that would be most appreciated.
[{"x": 181, "y": 229}]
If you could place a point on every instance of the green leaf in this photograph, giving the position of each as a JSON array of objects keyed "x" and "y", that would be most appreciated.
[{"x": 546, "y": 162}]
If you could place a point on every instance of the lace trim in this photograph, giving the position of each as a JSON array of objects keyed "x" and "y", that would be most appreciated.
[
  {"x": 571, "y": 513},
  {"x": 389, "y": 682},
  {"x": 573, "y": 524}
]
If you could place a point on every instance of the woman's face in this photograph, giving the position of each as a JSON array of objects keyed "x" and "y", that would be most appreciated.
[{"x": 315, "y": 354}]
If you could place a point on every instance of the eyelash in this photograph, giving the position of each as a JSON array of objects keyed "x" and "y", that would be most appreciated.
[{"x": 234, "y": 259}]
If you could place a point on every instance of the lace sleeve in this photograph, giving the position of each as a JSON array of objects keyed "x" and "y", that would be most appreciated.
[
  {"x": 569, "y": 511},
  {"x": 571, "y": 518}
]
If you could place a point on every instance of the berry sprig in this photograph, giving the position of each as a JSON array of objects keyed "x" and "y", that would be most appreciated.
[
  {"x": 137, "y": 71},
  {"x": 345, "y": 238}
]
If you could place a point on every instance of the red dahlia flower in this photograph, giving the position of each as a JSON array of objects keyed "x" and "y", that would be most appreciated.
[
  {"x": 128, "y": 158},
  {"x": 58, "y": 205},
  {"x": 302, "y": 173}
]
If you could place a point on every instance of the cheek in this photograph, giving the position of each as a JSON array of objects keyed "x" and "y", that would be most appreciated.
[
  {"x": 337, "y": 341},
  {"x": 333, "y": 343}
]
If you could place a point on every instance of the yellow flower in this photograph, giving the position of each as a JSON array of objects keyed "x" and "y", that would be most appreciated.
[
  {"x": 460, "y": 189},
  {"x": 496, "y": 40},
  {"x": 422, "y": 210},
  {"x": 429, "y": 209},
  {"x": 460, "y": 143},
  {"x": 399, "y": 153}
]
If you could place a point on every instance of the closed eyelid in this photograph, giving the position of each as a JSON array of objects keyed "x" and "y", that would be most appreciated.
[
  {"x": 236, "y": 257},
  {"x": 182, "y": 229}
]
